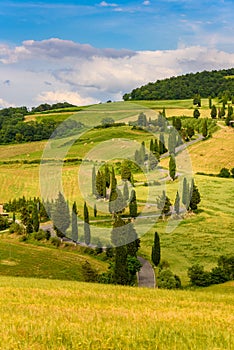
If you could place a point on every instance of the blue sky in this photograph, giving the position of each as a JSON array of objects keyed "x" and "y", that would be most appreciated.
[
  {"x": 44, "y": 40},
  {"x": 136, "y": 25}
]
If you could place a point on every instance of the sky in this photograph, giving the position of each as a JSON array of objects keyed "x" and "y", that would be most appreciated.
[{"x": 85, "y": 52}]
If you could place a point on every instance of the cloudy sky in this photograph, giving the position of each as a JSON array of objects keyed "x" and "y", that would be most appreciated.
[{"x": 90, "y": 51}]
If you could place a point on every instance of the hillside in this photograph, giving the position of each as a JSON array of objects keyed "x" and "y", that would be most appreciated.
[
  {"x": 214, "y": 84},
  {"x": 44, "y": 261},
  {"x": 41, "y": 314}
]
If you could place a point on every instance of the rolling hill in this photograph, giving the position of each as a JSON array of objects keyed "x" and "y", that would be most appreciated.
[{"x": 214, "y": 84}]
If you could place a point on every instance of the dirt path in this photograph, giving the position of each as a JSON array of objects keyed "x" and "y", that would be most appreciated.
[{"x": 146, "y": 276}]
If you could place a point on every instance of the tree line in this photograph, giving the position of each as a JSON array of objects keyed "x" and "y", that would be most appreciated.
[{"x": 213, "y": 84}]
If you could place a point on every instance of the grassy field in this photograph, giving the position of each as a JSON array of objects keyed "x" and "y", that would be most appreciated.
[
  {"x": 28, "y": 260},
  {"x": 200, "y": 238},
  {"x": 41, "y": 314},
  {"x": 212, "y": 155}
]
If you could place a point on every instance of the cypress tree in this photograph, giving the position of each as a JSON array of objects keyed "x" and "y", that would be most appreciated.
[
  {"x": 104, "y": 187},
  {"x": 126, "y": 191},
  {"x": 133, "y": 242},
  {"x": 196, "y": 113},
  {"x": 185, "y": 192},
  {"x": 61, "y": 216},
  {"x": 74, "y": 223},
  {"x": 95, "y": 211},
  {"x": 107, "y": 176},
  {"x": 151, "y": 145},
  {"x": 133, "y": 205},
  {"x": 94, "y": 181},
  {"x": 156, "y": 250},
  {"x": 210, "y": 102},
  {"x": 87, "y": 235},
  {"x": 213, "y": 112},
  {"x": 118, "y": 238},
  {"x": 230, "y": 111},
  {"x": 204, "y": 128},
  {"x": 195, "y": 197},
  {"x": 35, "y": 219},
  {"x": 162, "y": 147},
  {"x": 172, "y": 167},
  {"x": 99, "y": 184},
  {"x": 142, "y": 153},
  {"x": 152, "y": 161},
  {"x": 177, "y": 203},
  {"x": 126, "y": 171}
]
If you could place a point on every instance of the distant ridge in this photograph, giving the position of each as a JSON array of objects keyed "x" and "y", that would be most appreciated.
[{"x": 215, "y": 84}]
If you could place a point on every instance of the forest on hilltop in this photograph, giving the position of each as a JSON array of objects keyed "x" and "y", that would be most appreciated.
[{"x": 206, "y": 84}]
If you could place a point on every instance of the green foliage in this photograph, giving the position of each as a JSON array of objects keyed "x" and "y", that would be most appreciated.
[
  {"x": 126, "y": 171},
  {"x": 219, "y": 274},
  {"x": 224, "y": 172},
  {"x": 196, "y": 113},
  {"x": 35, "y": 219},
  {"x": 3, "y": 223},
  {"x": 133, "y": 204},
  {"x": 61, "y": 216},
  {"x": 204, "y": 84},
  {"x": 213, "y": 112},
  {"x": 164, "y": 203},
  {"x": 167, "y": 280},
  {"x": 195, "y": 197},
  {"x": 204, "y": 128},
  {"x": 177, "y": 203},
  {"x": 74, "y": 223},
  {"x": 16, "y": 228},
  {"x": 172, "y": 167},
  {"x": 126, "y": 191},
  {"x": 87, "y": 235},
  {"x": 156, "y": 250},
  {"x": 89, "y": 274}
]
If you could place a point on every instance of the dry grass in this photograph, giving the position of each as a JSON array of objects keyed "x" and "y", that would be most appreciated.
[{"x": 41, "y": 314}]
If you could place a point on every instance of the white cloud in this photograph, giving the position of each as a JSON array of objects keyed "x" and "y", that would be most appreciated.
[
  {"x": 56, "y": 70},
  {"x": 106, "y": 4},
  {"x": 5, "y": 104},
  {"x": 146, "y": 3},
  {"x": 64, "y": 96}
]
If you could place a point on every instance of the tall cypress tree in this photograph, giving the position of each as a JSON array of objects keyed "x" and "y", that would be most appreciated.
[
  {"x": 87, "y": 235},
  {"x": 107, "y": 176},
  {"x": 185, "y": 192},
  {"x": 177, "y": 203},
  {"x": 172, "y": 142},
  {"x": 74, "y": 223},
  {"x": 126, "y": 171},
  {"x": 172, "y": 167},
  {"x": 99, "y": 184},
  {"x": 61, "y": 216},
  {"x": 95, "y": 211},
  {"x": 162, "y": 147},
  {"x": 204, "y": 128},
  {"x": 151, "y": 145},
  {"x": 156, "y": 250},
  {"x": 126, "y": 191},
  {"x": 213, "y": 112},
  {"x": 133, "y": 204},
  {"x": 94, "y": 191},
  {"x": 195, "y": 197},
  {"x": 35, "y": 219}
]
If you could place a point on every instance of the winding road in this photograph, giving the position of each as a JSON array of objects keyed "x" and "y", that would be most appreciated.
[{"x": 146, "y": 275}]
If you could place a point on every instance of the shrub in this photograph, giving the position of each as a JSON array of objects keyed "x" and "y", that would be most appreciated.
[
  {"x": 198, "y": 277},
  {"x": 224, "y": 172},
  {"x": 167, "y": 280},
  {"x": 39, "y": 236},
  {"x": 89, "y": 274},
  {"x": 3, "y": 223},
  {"x": 16, "y": 228},
  {"x": 55, "y": 241}
]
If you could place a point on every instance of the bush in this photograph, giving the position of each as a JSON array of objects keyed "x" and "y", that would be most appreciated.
[
  {"x": 198, "y": 277},
  {"x": 47, "y": 235},
  {"x": 89, "y": 274},
  {"x": 16, "y": 228},
  {"x": 3, "y": 223},
  {"x": 55, "y": 241},
  {"x": 39, "y": 236},
  {"x": 224, "y": 172},
  {"x": 167, "y": 280}
]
